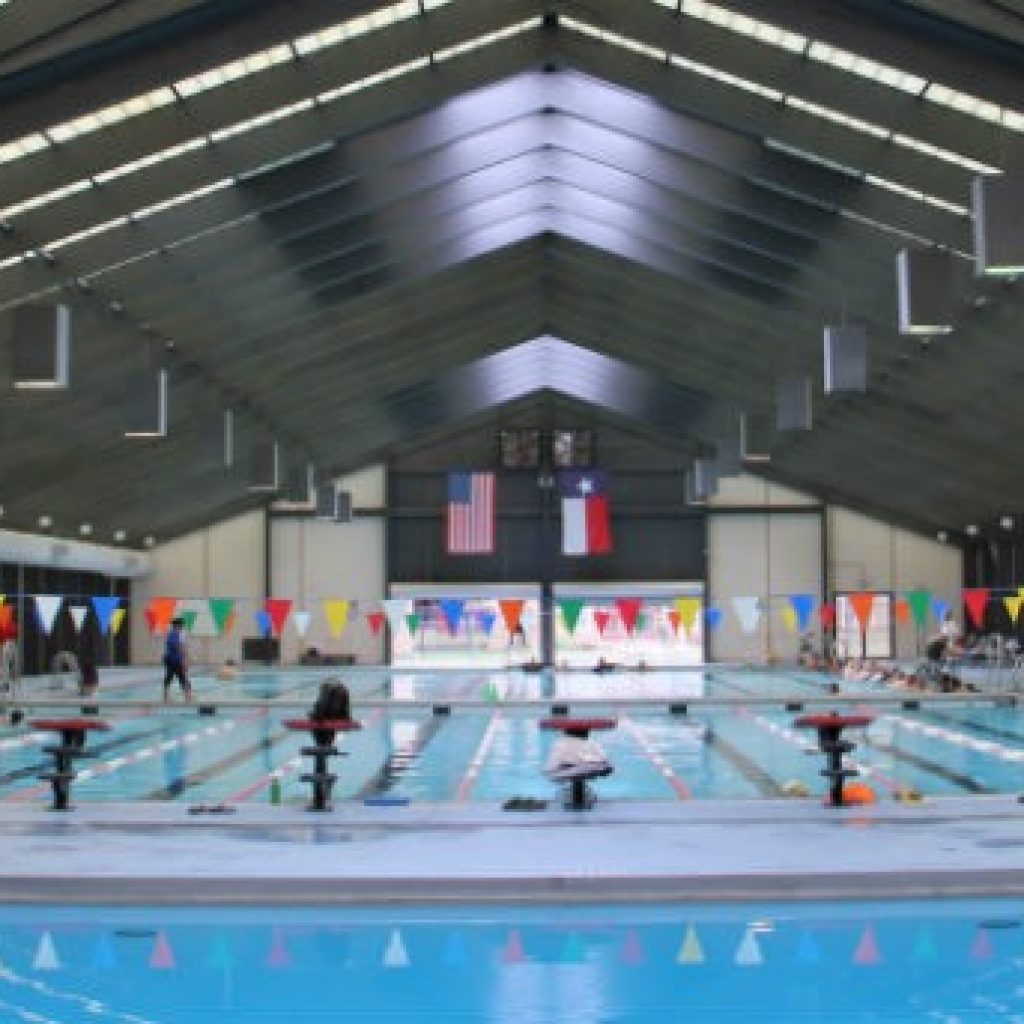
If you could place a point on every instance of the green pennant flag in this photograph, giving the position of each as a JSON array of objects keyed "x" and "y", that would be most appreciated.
[
  {"x": 413, "y": 622},
  {"x": 188, "y": 618},
  {"x": 571, "y": 613},
  {"x": 221, "y": 609},
  {"x": 920, "y": 602},
  {"x": 641, "y": 622}
]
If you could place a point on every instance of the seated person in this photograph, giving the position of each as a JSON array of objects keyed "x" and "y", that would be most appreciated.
[
  {"x": 229, "y": 671},
  {"x": 311, "y": 656},
  {"x": 332, "y": 704},
  {"x": 574, "y": 755}
]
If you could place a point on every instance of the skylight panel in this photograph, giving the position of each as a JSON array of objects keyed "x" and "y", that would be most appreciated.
[
  {"x": 866, "y": 68},
  {"x": 943, "y": 154},
  {"x": 705, "y": 71},
  {"x": 149, "y": 161},
  {"x": 913, "y": 193},
  {"x": 22, "y": 147},
  {"x": 744, "y": 25},
  {"x": 78, "y": 236},
  {"x": 1013, "y": 120},
  {"x": 232, "y": 71},
  {"x": 185, "y": 197},
  {"x": 389, "y": 74},
  {"x": 263, "y": 119},
  {"x": 624, "y": 42},
  {"x": 354, "y": 27},
  {"x": 46, "y": 198},
  {"x": 813, "y": 158},
  {"x": 113, "y": 114},
  {"x": 837, "y": 117}
]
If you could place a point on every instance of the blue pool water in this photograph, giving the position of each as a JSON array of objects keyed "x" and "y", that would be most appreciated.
[
  {"x": 956, "y": 961},
  {"x": 407, "y": 753}
]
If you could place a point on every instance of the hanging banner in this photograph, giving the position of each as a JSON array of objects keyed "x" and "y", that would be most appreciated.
[
  {"x": 511, "y": 612},
  {"x": 336, "y": 613},
  {"x": 263, "y": 623},
  {"x": 601, "y": 619},
  {"x": 920, "y": 601},
  {"x": 862, "y": 603},
  {"x": 396, "y": 610},
  {"x": 571, "y": 610},
  {"x": 748, "y": 612},
  {"x": 803, "y": 607},
  {"x": 47, "y": 606},
  {"x": 301, "y": 620},
  {"x": 375, "y": 620},
  {"x": 713, "y": 617},
  {"x": 452, "y": 609},
  {"x": 104, "y": 608},
  {"x": 901, "y": 610},
  {"x": 976, "y": 601},
  {"x": 278, "y": 608},
  {"x": 789, "y": 618},
  {"x": 220, "y": 611},
  {"x": 1012, "y": 606},
  {"x": 688, "y": 609},
  {"x": 117, "y": 617},
  {"x": 629, "y": 610},
  {"x": 78, "y": 613}
]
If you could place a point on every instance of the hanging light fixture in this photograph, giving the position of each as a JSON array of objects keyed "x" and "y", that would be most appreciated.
[
  {"x": 793, "y": 403},
  {"x": 846, "y": 359}
]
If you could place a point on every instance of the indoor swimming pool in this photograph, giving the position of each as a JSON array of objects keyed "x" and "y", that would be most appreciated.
[
  {"x": 624, "y": 964},
  {"x": 417, "y": 743}
]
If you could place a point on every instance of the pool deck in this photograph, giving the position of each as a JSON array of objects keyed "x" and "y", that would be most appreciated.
[{"x": 692, "y": 850}]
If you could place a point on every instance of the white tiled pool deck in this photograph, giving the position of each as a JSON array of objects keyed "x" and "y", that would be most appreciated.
[{"x": 700, "y": 850}]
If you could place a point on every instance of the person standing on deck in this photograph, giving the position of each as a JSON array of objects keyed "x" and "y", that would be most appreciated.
[{"x": 176, "y": 661}]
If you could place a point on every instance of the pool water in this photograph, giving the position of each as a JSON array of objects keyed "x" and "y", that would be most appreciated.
[
  {"x": 955, "y": 961},
  {"x": 405, "y": 752}
]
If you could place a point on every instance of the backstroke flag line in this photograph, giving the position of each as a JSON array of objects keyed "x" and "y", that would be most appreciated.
[
  {"x": 586, "y": 523},
  {"x": 469, "y": 514}
]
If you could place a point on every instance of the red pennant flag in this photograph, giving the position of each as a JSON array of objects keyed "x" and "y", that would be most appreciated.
[
  {"x": 867, "y": 949},
  {"x": 976, "y": 599},
  {"x": 674, "y": 619},
  {"x": 632, "y": 952},
  {"x": 629, "y": 609},
  {"x": 514, "y": 949},
  {"x": 828, "y": 615},
  {"x": 162, "y": 611},
  {"x": 162, "y": 956},
  {"x": 511, "y": 612},
  {"x": 278, "y": 609},
  {"x": 862, "y": 604},
  {"x": 6, "y": 618},
  {"x": 601, "y": 620},
  {"x": 375, "y": 620},
  {"x": 901, "y": 610}
]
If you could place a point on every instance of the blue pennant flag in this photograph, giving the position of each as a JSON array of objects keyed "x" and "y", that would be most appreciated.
[
  {"x": 263, "y": 622},
  {"x": 452, "y": 608},
  {"x": 487, "y": 619},
  {"x": 940, "y": 608},
  {"x": 713, "y": 616},
  {"x": 803, "y": 605},
  {"x": 104, "y": 608}
]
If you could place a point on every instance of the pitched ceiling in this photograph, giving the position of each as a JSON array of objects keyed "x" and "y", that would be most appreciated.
[{"x": 355, "y": 234}]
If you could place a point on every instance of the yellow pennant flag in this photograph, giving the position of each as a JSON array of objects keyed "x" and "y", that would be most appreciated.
[
  {"x": 116, "y": 618},
  {"x": 688, "y": 608},
  {"x": 690, "y": 952},
  {"x": 336, "y": 612},
  {"x": 789, "y": 618},
  {"x": 1012, "y": 604}
]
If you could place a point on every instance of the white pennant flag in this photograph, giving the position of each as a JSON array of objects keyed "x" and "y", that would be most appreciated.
[
  {"x": 300, "y": 620},
  {"x": 396, "y": 609},
  {"x": 395, "y": 955},
  {"x": 748, "y": 953},
  {"x": 47, "y": 605},
  {"x": 78, "y": 613},
  {"x": 46, "y": 958},
  {"x": 748, "y": 611}
]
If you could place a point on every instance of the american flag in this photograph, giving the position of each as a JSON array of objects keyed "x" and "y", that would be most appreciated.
[{"x": 470, "y": 514}]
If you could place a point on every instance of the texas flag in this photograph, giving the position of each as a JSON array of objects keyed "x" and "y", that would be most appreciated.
[{"x": 586, "y": 527}]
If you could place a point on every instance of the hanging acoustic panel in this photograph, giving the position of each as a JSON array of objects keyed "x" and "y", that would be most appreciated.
[
  {"x": 299, "y": 482},
  {"x": 846, "y": 359},
  {"x": 997, "y": 202},
  {"x": 327, "y": 501},
  {"x": 218, "y": 438},
  {"x": 924, "y": 279},
  {"x": 264, "y": 469},
  {"x": 793, "y": 403},
  {"x": 701, "y": 481},
  {"x": 728, "y": 457},
  {"x": 756, "y": 434},
  {"x": 344, "y": 513},
  {"x": 146, "y": 404},
  {"x": 41, "y": 347}
]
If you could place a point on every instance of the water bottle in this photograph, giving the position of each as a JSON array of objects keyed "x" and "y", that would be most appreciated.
[{"x": 275, "y": 790}]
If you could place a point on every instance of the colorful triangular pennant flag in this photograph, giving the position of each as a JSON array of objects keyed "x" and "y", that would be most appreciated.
[
  {"x": 301, "y": 621},
  {"x": 514, "y": 953},
  {"x": 375, "y": 620},
  {"x": 920, "y": 600},
  {"x": 278, "y": 608},
  {"x": 104, "y": 608},
  {"x": 336, "y": 613},
  {"x": 162, "y": 611},
  {"x": 713, "y": 617},
  {"x": 789, "y": 618},
  {"x": 162, "y": 957},
  {"x": 629, "y": 609},
  {"x": 601, "y": 619},
  {"x": 632, "y": 951},
  {"x": 511, "y": 611},
  {"x": 78, "y": 613},
  {"x": 396, "y": 954},
  {"x": 940, "y": 608},
  {"x": 748, "y": 612},
  {"x": 220, "y": 610},
  {"x": 688, "y": 609},
  {"x": 452, "y": 609},
  {"x": 47, "y": 606},
  {"x": 117, "y": 617},
  {"x": 976, "y": 601},
  {"x": 901, "y": 610},
  {"x": 748, "y": 952},
  {"x": 803, "y": 605},
  {"x": 412, "y": 622},
  {"x": 862, "y": 604},
  {"x": 867, "y": 948},
  {"x": 46, "y": 958},
  {"x": 690, "y": 950},
  {"x": 571, "y": 609},
  {"x": 396, "y": 609},
  {"x": 263, "y": 623},
  {"x": 1012, "y": 605}
]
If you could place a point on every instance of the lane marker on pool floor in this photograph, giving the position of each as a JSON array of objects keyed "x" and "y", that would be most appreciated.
[
  {"x": 682, "y": 791},
  {"x": 468, "y": 781}
]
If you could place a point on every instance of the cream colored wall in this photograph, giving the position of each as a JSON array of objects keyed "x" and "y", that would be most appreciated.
[
  {"x": 771, "y": 555},
  {"x": 310, "y": 561},
  {"x": 224, "y": 560}
]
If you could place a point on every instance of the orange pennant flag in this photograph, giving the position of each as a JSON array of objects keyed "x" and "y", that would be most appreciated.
[
  {"x": 161, "y": 611},
  {"x": 901, "y": 610},
  {"x": 862, "y": 604},
  {"x": 511, "y": 612}
]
